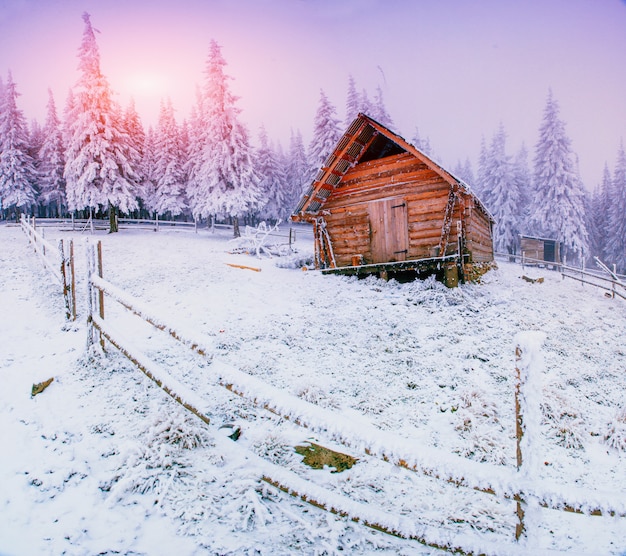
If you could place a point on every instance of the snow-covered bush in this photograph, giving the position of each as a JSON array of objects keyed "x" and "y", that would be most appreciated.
[
  {"x": 477, "y": 423},
  {"x": 158, "y": 459},
  {"x": 566, "y": 427},
  {"x": 615, "y": 435}
]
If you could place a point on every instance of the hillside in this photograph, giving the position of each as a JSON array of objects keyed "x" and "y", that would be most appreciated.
[{"x": 103, "y": 461}]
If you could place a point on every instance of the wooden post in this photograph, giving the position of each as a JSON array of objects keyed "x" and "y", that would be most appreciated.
[
  {"x": 519, "y": 434},
  {"x": 66, "y": 288},
  {"x": 72, "y": 280},
  {"x": 100, "y": 292},
  {"x": 90, "y": 296}
]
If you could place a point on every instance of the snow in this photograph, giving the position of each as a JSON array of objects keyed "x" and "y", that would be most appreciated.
[{"x": 104, "y": 461}]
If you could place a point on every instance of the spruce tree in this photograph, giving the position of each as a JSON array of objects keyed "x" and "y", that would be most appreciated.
[
  {"x": 326, "y": 134},
  {"x": 273, "y": 180},
  {"x": 616, "y": 241},
  {"x": 225, "y": 184},
  {"x": 522, "y": 179},
  {"x": 17, "y": 169},
  {"x": 352, "y": 102},
  {"x": 52, "y": 163},
  {"x": 298, "y": 172},
  {"x": 168, "y": 165},
  {"x": 557, "y": 209},
  {"x": 422, "y": 144},
  {"x": 501, "y": 195},
  {"x": 380, "y": 113},
  {"x": 99, "y": 155}
]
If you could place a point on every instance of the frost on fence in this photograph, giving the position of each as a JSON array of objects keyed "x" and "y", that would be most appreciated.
[{"x": 530, "y": 368}]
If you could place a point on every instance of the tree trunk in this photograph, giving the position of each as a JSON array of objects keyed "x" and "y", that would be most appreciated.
[
  {"x": 112, "y": 219},
  {"x": 236, "y": 232}
]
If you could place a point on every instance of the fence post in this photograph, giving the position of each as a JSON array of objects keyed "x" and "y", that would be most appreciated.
[
  {"x": 72, "y": 280},
  {"x": 528, "y": 371},
  {"x": 90, "y": 294},
  {"x": 100, "y": 292},
  {"x": 66, "y": 288},
  {"x": 519, "y": 435}
]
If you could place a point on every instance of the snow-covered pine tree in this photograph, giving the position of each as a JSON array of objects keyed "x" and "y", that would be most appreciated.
[
  {"x": 137, "y": 137},
  {"x": 326, "y": 134},
  {"x": 193, "y": 155},
  {"x": 465, "y": 172},
  {"x": 352, "y": 102},
  {"x": 480, "y": 184},
  {"x": 422, "y": 144},
  {"x": 170, "y": 195},
  {"x": 601, "y": 208},
  {"x": 365, "y": 104},
  {"x": 522, "y": 178},
  {"x": 617, "y": 213},
  {"x": 147, "y": 187},
  {"x": 98, "y": 170},
  {"x": 226, "y": 184},
  {"x": 557, "y": 209},
  {"x": 380, "y": 113},
  {"x": 298, "y": 171},
  {"x": 501, "y": 195},
  {"x": 17, "y": 170},
  {"x": 52, "y": 163},
  {"x": 273, "y": 180}
]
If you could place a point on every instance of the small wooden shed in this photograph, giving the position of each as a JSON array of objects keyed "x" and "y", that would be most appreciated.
[
  {"x": 540, "y": 249},
  {"x": 380, "y": 205}
]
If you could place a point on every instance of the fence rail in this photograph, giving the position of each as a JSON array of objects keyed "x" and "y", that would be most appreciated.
[
  {"x": 605, "y": 278},
  {"x": 505, "y": 483},
  {"x": 60, "y": 264}
]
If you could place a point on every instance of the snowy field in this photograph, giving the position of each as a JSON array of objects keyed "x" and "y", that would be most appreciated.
[{"x": 103, "y": 462}]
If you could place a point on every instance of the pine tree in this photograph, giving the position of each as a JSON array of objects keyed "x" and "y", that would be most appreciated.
[
  {"x": 464, "y": 171},
  {"x": 616, "y": 241},
  {"x": 522, "y": 179},
  {"x": 365, "y": 104},
  {"x": 601, "y": 215},
  {"x": 422, "y": 144},
  {"x": 298, "y": 171},
  {"x": 147, "y": 187},
  {"x": 352, "y": 102},
  {"x": 273, "y": 180},
  {"x": 137, "y": 138},
  {"x": 501, "y": 195},
  {"x": 380, "y": 113},
  {"x": 52, "y": 163},
  {"x": 481, "y": 182},
  {"x": 99, "y": 156},
  {"x": 170, "y": 184},
  {"x": 226, "y": 184},
  {"x": 17, "y": 170},
  {"x": 326, "y": 134},
  {"x": 558, "y": 203}
]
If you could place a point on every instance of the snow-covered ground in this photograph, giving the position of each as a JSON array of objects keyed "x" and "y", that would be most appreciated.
[{"x": 104, "y": 462}]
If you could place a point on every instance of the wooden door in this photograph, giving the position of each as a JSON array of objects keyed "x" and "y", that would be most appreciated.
[{"x": 389, "y": 234}]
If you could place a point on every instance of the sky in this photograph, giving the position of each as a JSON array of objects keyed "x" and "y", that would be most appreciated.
[{"x": 453, "y": 69}]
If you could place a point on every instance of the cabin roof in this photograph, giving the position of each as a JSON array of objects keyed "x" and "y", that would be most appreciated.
[{"x": 364, "y": 140}]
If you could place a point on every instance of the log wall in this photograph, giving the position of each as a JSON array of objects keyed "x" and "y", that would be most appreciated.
[{"x": 407, "y": 179}]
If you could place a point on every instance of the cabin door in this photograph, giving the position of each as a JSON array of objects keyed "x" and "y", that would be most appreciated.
[{"x": 389, "y": 235}]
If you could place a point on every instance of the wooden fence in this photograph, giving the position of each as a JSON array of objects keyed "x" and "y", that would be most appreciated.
[
  {"x": 505, "y": 483},
  {"x": 58, "y": 260},
  {"x": 605, "y": 278}
]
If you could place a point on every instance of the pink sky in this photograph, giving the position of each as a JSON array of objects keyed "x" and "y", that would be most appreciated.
[{"x": 453, "y": 68}]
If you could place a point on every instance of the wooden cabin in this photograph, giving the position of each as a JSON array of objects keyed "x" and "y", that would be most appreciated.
[
  {"x": 380, "y": 205},
  {"x": 537, "y": 250}
]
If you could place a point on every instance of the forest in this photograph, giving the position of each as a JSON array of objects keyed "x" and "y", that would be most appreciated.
[{"x": 97, "y": 159}]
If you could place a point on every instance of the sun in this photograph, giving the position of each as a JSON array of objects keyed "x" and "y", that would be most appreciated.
[{"x": 146, "y": 84}]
